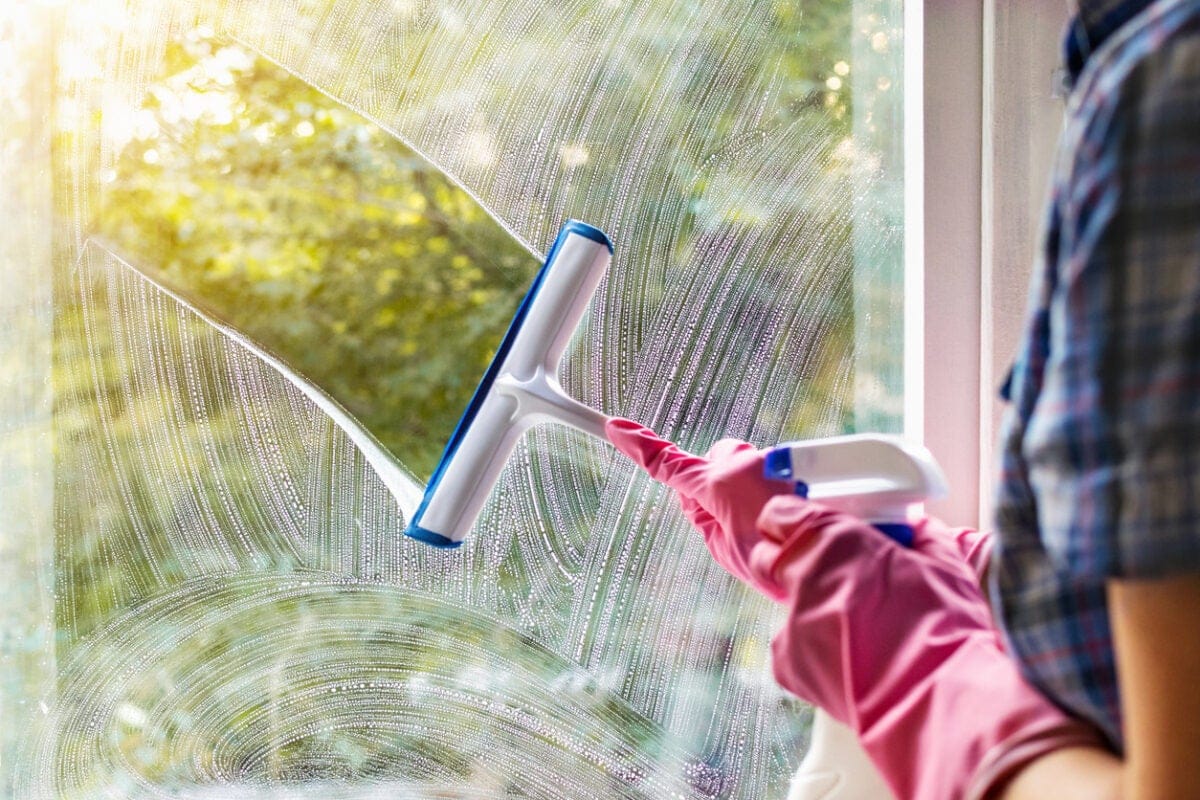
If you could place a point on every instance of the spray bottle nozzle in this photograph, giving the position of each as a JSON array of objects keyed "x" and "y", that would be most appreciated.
[{"x": 873, "y": 476}]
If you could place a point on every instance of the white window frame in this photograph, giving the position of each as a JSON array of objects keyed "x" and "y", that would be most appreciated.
[{"x": 977, "y": 161}]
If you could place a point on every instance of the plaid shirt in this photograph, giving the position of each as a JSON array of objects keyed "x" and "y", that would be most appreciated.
[{"x": 1101, "y": 444}]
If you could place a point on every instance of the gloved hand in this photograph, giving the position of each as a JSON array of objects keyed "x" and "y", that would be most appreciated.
[
  {"x": 972, "y": 547},
  {"x": 722, "y": 493},
  {"x": 899, "y": 644},
  {"x": 896, "y": 643}
]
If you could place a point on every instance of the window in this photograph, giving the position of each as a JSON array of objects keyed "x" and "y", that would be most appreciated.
[{"x": 208, "y": 592}]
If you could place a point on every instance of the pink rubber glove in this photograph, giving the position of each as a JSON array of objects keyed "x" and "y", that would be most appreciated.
[
  {"x": 968, "y": 545},
  {"x": 899, "y": 645},
  {"x": 722, "y": 493}
]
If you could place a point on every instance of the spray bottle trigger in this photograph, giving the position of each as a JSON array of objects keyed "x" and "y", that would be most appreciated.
[
  {"x": 822, "y": 456},
  {"x": 899, "y": 532},
  {"x": 777, "y": 465}
]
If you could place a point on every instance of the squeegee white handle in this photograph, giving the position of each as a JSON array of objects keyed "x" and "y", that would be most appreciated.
[{"x": 541, "y": 397}]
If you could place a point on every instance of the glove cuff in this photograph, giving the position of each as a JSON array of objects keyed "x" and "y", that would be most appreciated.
[
  {"x": 900, "y": 646},
  {"x": 1006, "y": 759},
  {"x": 968, "y": 729}
]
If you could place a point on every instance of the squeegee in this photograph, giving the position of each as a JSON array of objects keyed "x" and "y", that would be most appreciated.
[
  {"x": 519, "y": 389},
  {"x": 873, "y": 476}
]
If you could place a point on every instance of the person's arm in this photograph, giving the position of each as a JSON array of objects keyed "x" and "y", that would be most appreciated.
[
  {"x": 1073, "y": 773},
  {"x": 1158, "y": 659},
  {"x": 1156, "y": 627}
]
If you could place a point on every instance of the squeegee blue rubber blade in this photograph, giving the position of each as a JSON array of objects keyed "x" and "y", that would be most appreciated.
[{"x": 414, "y": 529}]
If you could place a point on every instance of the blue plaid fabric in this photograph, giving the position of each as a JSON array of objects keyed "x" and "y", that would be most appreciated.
[{"x": 1101, "y": 443}]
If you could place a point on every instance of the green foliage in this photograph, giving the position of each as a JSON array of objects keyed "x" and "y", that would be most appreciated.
[
  {"x": 321, "y": 237},
  {"x": 339, "y": 249}
]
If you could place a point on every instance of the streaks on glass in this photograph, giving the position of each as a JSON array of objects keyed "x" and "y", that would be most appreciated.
[
  {"x": 191, "y": 454},
  {"x": 237, "y": 613}
]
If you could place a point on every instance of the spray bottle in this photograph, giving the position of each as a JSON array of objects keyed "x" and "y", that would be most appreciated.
[{"x": 878, "y": 478}]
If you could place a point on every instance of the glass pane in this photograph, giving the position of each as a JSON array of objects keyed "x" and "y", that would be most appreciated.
[{"x": 225, "y": 214}]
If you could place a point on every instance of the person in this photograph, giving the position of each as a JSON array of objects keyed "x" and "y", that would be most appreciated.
[{"x": 1057, "y": 658}]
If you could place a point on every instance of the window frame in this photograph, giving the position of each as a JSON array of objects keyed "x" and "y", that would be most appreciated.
[{"x": 977, "y": 160}]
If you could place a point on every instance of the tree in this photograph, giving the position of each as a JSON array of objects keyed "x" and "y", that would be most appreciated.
[{"x": 319, "y": 235}]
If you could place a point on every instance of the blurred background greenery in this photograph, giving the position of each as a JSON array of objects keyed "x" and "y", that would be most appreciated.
[{"x": 320, "y": 236}]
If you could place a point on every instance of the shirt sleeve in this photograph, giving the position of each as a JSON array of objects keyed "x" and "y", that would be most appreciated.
[{"x": 1113, "y": 445}]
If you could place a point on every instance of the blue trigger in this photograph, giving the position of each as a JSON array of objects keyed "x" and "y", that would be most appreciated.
[
  {"x": 777, "y": 464},
  {"x": 898, "y": 532},
  {"x": 800, "y": 489}
]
